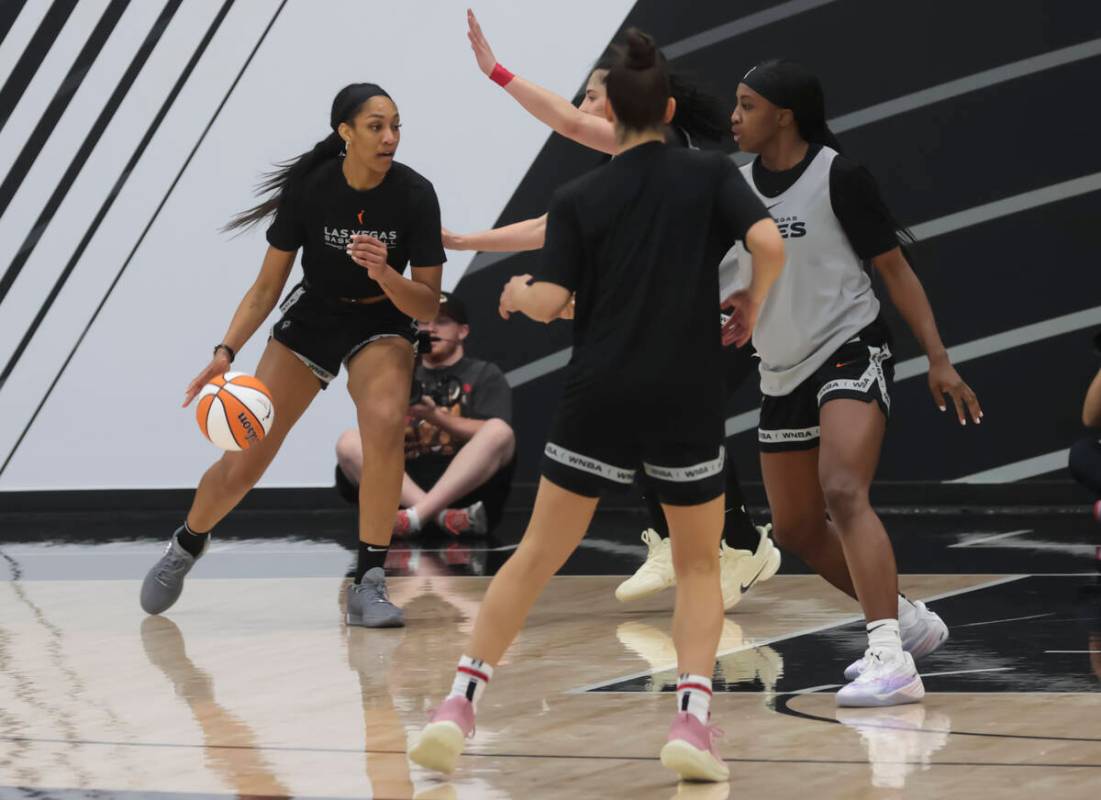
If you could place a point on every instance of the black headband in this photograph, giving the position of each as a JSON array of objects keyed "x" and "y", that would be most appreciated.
[
  {"x": 350, "y": 98},
  {"x": 782, "y": 83}
]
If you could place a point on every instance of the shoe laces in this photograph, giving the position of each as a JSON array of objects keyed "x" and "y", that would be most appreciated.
[
  {"x": 172, "y": 563},
  {"x": 381, "y": 594}
]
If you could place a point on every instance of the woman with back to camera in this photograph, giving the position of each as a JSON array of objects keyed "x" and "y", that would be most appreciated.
[
  {"x": 826, "y": 368},
  {"x": 747, "y": 555},
  {"x": 359, "y": 218},
  {"x": 643, "y": 389}
]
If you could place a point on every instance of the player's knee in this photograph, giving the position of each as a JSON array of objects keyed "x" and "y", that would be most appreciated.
[
  {"x": 382, "y": 420},
  {"x": 798, "y": 534},
  {"x": 241, "y": 474},
  {"x": 845, "y": 496}
]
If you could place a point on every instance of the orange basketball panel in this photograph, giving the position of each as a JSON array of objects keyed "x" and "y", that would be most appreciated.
[
  {"x": 202, "y": 411},
  {"x": 252, "y": 383}
]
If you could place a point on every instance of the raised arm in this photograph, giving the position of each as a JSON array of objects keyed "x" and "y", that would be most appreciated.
[
  {"x": 551, "y": 109},
  {"x": 517, "y": 237}
]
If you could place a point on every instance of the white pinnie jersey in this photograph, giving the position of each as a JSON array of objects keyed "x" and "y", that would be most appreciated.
[{"x": 822, "y": 298}]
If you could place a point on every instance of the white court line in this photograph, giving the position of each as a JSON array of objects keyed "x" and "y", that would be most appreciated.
[
  {"x": 996, "y": 621},
  {"x": 848, "y": 620},
  {"x": 1019, "y": 470},
  {"x": 965, "y": 671},
  {"x": 973, "y": 542},
  {"x": 1072, "y": 651}
]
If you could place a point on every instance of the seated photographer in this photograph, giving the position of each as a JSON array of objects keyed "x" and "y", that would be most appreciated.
[
  {"x": 1085, "y": 455},
  {"x": 459, "y": 444}
]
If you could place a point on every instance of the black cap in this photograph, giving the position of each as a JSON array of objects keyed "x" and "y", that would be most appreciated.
[{"x": 452, "y": 307}]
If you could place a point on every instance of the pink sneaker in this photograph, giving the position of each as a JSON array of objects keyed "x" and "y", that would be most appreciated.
[
  {"x": 691, "y": 752},
  {"x": 440, "y": 742},
  {"x": 402, "y": 527}
]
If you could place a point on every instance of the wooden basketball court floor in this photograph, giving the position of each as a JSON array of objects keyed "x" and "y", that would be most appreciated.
[{"x": 253, "y": 687}]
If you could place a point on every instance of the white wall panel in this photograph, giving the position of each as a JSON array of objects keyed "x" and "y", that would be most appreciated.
[{"x": 104, "y": 427}]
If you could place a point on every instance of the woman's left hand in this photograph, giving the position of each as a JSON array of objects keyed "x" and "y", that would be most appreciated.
[
  {"x": 479, "y": 44},
  {"x": 944, "y": 380},
  {"x": 508, "y": 304},
  {"x": 369, "y": 253}
]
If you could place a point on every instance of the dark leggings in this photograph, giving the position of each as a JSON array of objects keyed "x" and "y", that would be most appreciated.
[
  {"x": 1085, "y": 463},
  {"x": 738, "y": 530}
]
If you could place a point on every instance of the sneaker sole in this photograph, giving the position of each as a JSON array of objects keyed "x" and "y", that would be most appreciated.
[
  {"x": 913, "y": 692},
  {"x": 439, "y": 746},
  {"x": 692, "y": 764},
  {"x": 393, "y": 622},
  {"x": 627, "y": 594}
]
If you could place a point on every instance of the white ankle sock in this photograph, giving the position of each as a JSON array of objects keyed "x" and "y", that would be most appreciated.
[
  {"x": 883, "y": 634},
  {"x": 471, "y": 678},
  {"x": 694, "y": 695},
  {"x": 414, "y": 519}
]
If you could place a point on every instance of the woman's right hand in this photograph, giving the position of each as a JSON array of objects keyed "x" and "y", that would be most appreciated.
[
  {"x": 482, "y": 51},
  {"x": 219, "y": 365}
]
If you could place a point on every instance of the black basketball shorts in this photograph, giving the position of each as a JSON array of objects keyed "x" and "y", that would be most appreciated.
[
  {"x": 325, "y": 333},
  {"x": 861, "y": 369},
  {"x": 591, "y": 452}
]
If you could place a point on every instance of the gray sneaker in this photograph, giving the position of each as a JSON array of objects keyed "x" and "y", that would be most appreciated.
[
  {"x": 369, "y": 605},
  {"x": 164, "y": 582}
]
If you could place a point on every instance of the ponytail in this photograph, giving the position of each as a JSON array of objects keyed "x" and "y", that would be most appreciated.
[
  {"x": 287, "y": 177},
  {"x": 638, "y": 86},
  {"x": 281, "y": 181}
]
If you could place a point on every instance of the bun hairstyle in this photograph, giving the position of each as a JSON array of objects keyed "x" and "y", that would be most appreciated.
[
  {"x": 638, "y": 84},
  {"x": 701, "y": 113},
  {"x": 288, "y": 175}
]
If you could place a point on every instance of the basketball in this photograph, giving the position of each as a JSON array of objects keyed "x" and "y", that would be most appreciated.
[{"x": 235, "y": 411}]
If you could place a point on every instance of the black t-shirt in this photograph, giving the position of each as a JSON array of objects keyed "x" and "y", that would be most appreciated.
[
  {"x": 468, "y": 388},
  {"x": 640, "y": 240},
  {"x": 855, "y": 197},
  {"x": 325, "y": 212}
]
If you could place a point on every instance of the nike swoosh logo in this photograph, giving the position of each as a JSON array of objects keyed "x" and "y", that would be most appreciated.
[
  {"x": 773, "y": 205},
  {"x": 753, "y": 580},
  {"x": 377, "y": 549}
]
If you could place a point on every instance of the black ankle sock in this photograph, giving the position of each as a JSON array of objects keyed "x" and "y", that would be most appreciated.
[
  {"x": 190, "y": 541},
  {"x": 738, "y": 530},
  {"x": 370, "y": 556}
]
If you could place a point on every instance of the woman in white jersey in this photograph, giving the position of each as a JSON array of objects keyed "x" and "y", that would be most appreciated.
[
  {"x": 826, "y": 367},
  {"x": 747, "y": 555}
]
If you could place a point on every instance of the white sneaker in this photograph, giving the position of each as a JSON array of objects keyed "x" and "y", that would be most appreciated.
[
  {"x": 889, "y": 679},
  {"x": 655, "y": 574},
  {"x": 740, "y": 569},
  {"x": 923, "y": 631}
]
